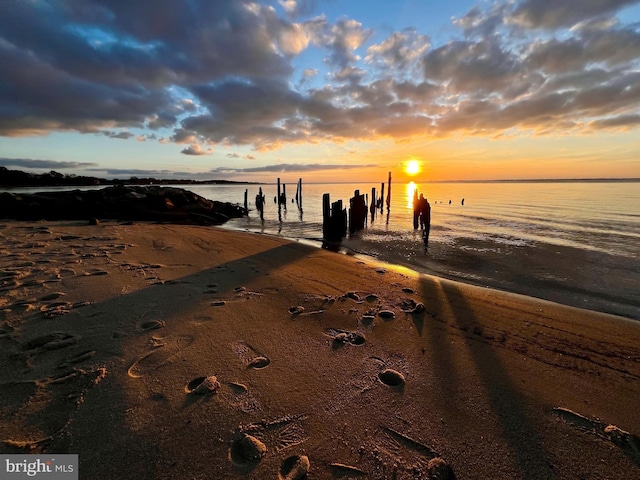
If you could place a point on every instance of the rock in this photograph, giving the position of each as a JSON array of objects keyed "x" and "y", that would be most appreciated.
[{"x": 146, "y": 203}]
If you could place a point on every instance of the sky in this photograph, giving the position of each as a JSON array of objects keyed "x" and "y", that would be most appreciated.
[{"x": 323, "y": 90}]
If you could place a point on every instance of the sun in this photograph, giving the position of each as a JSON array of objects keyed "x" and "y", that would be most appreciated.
[{"x": 413, "y": 167}]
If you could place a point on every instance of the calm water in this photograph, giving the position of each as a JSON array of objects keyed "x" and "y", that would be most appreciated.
[
  {"x": 591, "y": 216},
  {"x": 576, "y": 243}
]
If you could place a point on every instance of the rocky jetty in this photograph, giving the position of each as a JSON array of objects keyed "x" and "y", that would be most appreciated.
[{"x": 143, "y": 203}]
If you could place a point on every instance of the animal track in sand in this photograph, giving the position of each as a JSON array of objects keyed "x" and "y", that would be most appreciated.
[
  {"x": 167, "y": 349},
  {"x": 250, "y": 357}
]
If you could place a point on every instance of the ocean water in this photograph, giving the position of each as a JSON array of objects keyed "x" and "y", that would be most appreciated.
[
  {"x": 576, "y": 243},
  {"x": 594, "y": 216}
]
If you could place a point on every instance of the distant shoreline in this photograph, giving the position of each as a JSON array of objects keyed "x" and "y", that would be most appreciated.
[{"x": 21, "y": 179}]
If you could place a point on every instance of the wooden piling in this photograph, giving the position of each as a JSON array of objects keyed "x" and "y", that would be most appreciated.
[
  {"x": 389, "y": 194},
  {"x": 357, "y": 212},
  {"x": 246, "y": 200},
  {"x": 260, "y": 203},
  {"x": 334, "y": 220},
  {"x": 416, "y": 210},
  {"x": 381, "y": 197},
  {"x": 372, "y": 208},
  {"x": 278, "y": 197}
]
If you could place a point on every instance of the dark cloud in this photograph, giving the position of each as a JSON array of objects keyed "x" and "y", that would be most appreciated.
[
  {"x": 134, "y": 172},
  {"x": 289, "y": 167},
  {"x": 552, "y": 14},
  {"x": 119, "y": 135},
  {"x": 297, "y": 8},
  {"x": 48, "y": 164},
  {"x": 399, "y": 51},
  {"x": 222, "y": 72},
  {"x": 196, "y": 150}
]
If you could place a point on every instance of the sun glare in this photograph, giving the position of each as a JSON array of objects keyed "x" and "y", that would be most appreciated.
[{"x": 413, "y": 167}]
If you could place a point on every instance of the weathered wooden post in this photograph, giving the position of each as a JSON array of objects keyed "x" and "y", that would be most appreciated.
[
  {"x": 381, "y": 197},
  {"x": 246, "y": 200},
  {"x": 357, "y": 212},
  {"x": 278, "y": 197},
  {"x": 372, "y": 208},
  {"x": 416, "y": 210},
  {"x": 260, "y": 203},
  {"x": 389, "y": 194},
  {"x": 283, "y": 199},
  {"x": 334, "y": 220}
]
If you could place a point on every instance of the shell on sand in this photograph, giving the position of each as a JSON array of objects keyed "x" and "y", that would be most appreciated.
[{"x": 295, "y": 467}]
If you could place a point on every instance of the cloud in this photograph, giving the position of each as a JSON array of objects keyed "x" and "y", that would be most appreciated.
[
  {"x": 296, "y": 8},
  {"x": 48, "y": 164},
  {"x": 289, "y": 167},
  {"x": 552, "y": 14},
  {"x": 196, "y": 150},
  {"x": 399, "y": 51},
  {"x": 134, "y": 172},
  {"x": 118, "y": 135},
  {"x": 224, "y": 72}
]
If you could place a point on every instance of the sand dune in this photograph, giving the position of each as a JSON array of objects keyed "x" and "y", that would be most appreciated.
[{"x": 165, "y": 351}]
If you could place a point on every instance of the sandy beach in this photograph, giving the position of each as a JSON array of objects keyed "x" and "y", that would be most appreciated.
[{"x": 184, "y": 352}]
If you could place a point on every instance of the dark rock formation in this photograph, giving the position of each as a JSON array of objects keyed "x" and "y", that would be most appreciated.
[{"x": 144, "y": 203}]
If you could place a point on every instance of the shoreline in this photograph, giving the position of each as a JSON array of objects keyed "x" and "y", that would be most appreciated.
[
  {"x": 583, "y": 279},
  {"x": 363, "y": 369}
]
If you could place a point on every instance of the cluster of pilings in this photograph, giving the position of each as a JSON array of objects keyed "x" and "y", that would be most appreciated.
[
  {"x": 335, "y": 219},
  {"x": 280, "y": 199}
]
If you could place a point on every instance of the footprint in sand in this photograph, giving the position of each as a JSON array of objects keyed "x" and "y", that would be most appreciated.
[
  {"x": 167, "y": 349},
  {"x": 277, "y": 435},
  {"x": 374, "y": 372},
  {"x": 627, "y": 442},
  {"x": 294, "y": 467},
  {"x": 250, "y": 357},
  {"x": 392, "y": 378},
  {"x": 397, "y": 455},
  {"x": 238, "y": 396},
  {"x": 246, "y": 451},
  {"x": 51, "y": 341},
  {"x": 35, "y": 411}
]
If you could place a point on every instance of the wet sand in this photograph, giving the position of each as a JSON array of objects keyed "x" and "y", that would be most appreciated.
[
  {"x": 111, "y": 336},
  {"x": 588, "y": 279}
]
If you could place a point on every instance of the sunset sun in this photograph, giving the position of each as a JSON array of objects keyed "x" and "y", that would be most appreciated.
[{"x": 413, "y": 167}]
